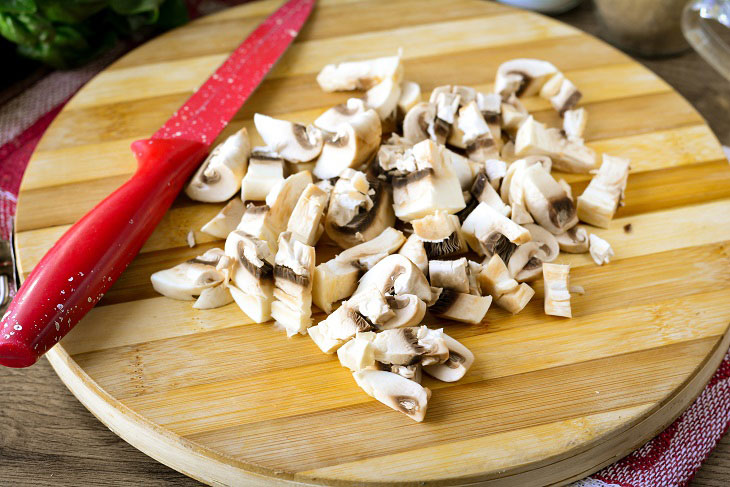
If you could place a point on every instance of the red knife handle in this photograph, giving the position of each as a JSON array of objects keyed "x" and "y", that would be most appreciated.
[{"x": 74, "y": 275}]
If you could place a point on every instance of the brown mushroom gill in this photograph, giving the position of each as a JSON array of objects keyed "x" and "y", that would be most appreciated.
[
  {"x": 401, "y": 181},
  {"x": 363, "y": 219},
  {"x": 362, "y": 323},
  {"x": 496, "y": 243},
  {"x": 265, "y": 271},
  {"x": 406, "y": 404},
  {"x": 561, "y": 211},
  {"x": 446, "y": 299},
  {"x": 284, "y": 272},
  {"x": 300, "y": 134},
  {"x": 448, "y": 246}
]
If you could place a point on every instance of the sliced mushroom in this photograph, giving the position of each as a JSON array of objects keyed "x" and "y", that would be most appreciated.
[
  {"x": 283, "y": 199},
  {"x": 338, "y": 115},
  {"x": 354, "y": 143},
  {"x": 358, "y": 353},
  {"x": 398, "y": 275},
  {"x": 526, "y": 262},
  {"x": 522, "y": 77},
  {"x": 521, "y": 164},
  {"x": 254, "y": 222},
  {"x": 488, "y": 232},
  {"x": 547, "y": 201},
  {"x": 463, "y": 307},
  {"x": 557, "y": 295},
  {"x": 293, "y": 276},
  {"x": 533, "y": 138},
  {"x": 513, "y": 115},
  {"x": 410, "y": 95},
  {"x": 409, "y": 311},
  {"x": 464, "y": 169},
  {"x": 496, "y": 171},
  {"x": 186, "y": 281},
  {"x": 254, "y": 269},
  {"x": 360, "y": 208},
  {"x": 398, "y": 346},
  {"x": 371, "y": 304},
  {"x": 410, "y": 372},
  {"x": 600, "y": 250},
  {"x": 414, "y": 249},
  {"x": 226, "y": 220},
  {"x": 219, "y": 176},
  {"x": 494, "y": 278},
  {"x": 441, "y": 235},
  {"x": 292, "y": 141},
  {"x": 548, "y": 243},
  {"x": 459, "y": 361},
  {"x": 567, "y": 97},
  {"x": 417, "y": 121},
  {"x": 485, "y": 192},
  {"x": 435, "y": 350},
  {"x": 265, "y": 171},
  {"x": 447, "y": 105},
  {"x": 213, "y": 297},
  {"x": 336, "y": 279},
  {"x": 306, "y": 217},
  {"x": 515, "y": 301},
  {"x": 450, "y": 274},
  {"x": 360, "y": 75},
  {"x": 434, "y": 186},
  {"x": 396, "y": 392},
  {"x": 256, "y": 307},
  {"x": 605, "y": 192},
  {"x": 574, "y": 124},
  {"x": 490, "y": 104},
  {"x": 552, "y": 86},
  {"x": 573, "y": 241},
  {"x": 477, "y": 137},
  {"x": 383, "y": 98},
  {"x": 339, "y": 327}
]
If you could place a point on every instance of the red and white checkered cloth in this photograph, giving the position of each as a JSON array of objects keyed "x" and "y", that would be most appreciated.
[{"x": 670, "y": 459}]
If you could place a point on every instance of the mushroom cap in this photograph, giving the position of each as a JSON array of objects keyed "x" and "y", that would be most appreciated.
[
  {"x": 190, "y": 278},
  {"x": 365, "y": 255},
  {"x": 354, "y": 143},
  {"x": 383, "y": 98},
  {"x": 226, "y": 220},
  {"x": 219, "y": 176},
  {"x": 409, "y": 311},
  {"x": 459, "y": 361},
  {"x": 417, "y": 121},
  {"x": 410, "y": 94},
  {"x": 292, "y": 141},
  {"x": 574, "y": 240},
  {"x": 395, "y": 391},
  {"x": 547, "y": 200},
  {"x": 360, "y": 75},
  {"x": 331, "y": 119},
  {"x": 522, "y": 76},
  {"x": 548, "y": 243},
  {"x": 398, "y": 275},
  {"x": 526, "y": 262}
]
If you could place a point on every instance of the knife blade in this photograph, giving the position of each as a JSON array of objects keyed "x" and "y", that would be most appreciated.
[{"x": 79, "y": 269}]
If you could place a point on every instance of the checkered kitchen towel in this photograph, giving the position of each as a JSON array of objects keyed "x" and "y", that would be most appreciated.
[{"x": 670, "y": 459}]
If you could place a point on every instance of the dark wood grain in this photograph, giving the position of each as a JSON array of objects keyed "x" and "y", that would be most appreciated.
[{"x": 47, "y": 438}]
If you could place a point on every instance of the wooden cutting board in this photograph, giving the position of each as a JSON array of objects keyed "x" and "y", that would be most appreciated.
[{"x": 548, "y": 399}]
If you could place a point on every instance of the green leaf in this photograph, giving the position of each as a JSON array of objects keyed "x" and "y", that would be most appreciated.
[
  {"x": 70, "y": 11},
  {"x": 173, "y": 13},
  {"x": 131, "y": 7},
  {"x": 17, "y": 6},
  {"x": 25, "y": 28}
]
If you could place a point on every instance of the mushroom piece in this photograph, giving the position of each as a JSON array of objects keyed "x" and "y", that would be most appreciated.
[
  {"x": 383, "y": 98},
  {"x": 410, "y": 95},
  {"x": 463, "y": 307},
  {"x": 447, "y": 105},
  {"x": 488, "y": 232},
  {"x": 521, "y": 164},
  {"x": 305, "y": 220},
  {"x": 283, "y": 199},
  {"x": 533, "y": 138},
  {"x": 484, "y": 192},
  {"x": 605, "y": 192},
  {"x": 496, "y": 171},
  {"x": 265, "y": 171},
  {"x": 547, "y": 201},
  {"x": 574, "y": 124},
  {"x": 515, "y": 301},
  {"x": 354, "y": 143},
  {"x": 213, "y": 297},
  {"x": 441, "y": 235},
  {"x": 226, "y": 220},
  {"x": 360, "y": 75},
  {"x": 417, "y": 121},
  {"x": 513, "y": 115},
  {"x": 433, "y": 186},
  {"x": 548, "y": 243},
  {"x": 409, "y": 311},
  {"x": 293, "y": 276},
  {"x": 557, "y": 295},
  {"x": 450, "y": 274},
  {"x": 416, "y": 253},
  {"x": 494, "y": 278},
  {"x": 339, "y": 327},
  {"x": 600, "y": 250},
  {"x": 573, "y": 241},
  {"x": 412, "y": 345},
  {"x": 360, "y": 208},
  {"x": 464, "y": 168},
  {"x": 254, "y": 222},
  {"x": 403, "y": 395},
  {"x": 526, "y": 262},
  {"x": 566, "y": 98},
  {"x": 490, "y": 104},
  {"x": 332, "y": 119},
  {"x": 292, "y": 141},
  {"x": 186, "y": 281},
  {"x": 372, "y": 305},
  {"x": 219, "y": 176},
  {"x": 410, "y": 372},
  {"x": 522, "y": 77},
  {"x": 398, "y": 275},
  {"x": 358, "y": 353},
  {"x": 252, "y": 275},
  {"x": 477, "y": 137},
  {"x": 459, "y": 361},
  {"x": 336, "y": 279}
]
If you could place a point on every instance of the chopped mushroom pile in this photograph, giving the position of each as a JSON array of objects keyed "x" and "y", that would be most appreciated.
[{"x": 441, "y": 207}]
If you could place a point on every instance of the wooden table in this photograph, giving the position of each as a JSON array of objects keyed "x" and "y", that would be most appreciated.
[{"x": 48, "y": 438}]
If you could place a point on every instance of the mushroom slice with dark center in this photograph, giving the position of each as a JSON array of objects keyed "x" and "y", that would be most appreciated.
[
  {"x": 488, "y": 232},
  {"x": 305, "y": 222},
  {"x": 483, "y": 191},
  {"x": 516, "y": 300},
  {"x": 449, "y": 274},
  {"x": 566, "y": 98},
  {"x": 417, "y": 121},
  {"x": 548, "y": 243},
  {"x": 574, "y": 240},
  {"x": 605, "y": 192},
  {"x": 354, "y": 143},
  {"x": 403, "y": 395},
  {"x": 293, "y": 275},
  {"x": 219, "y": 176},
  {"x": 336, "y": 279},
  {"x": 494, "y": 278},
  {"x": 398, "y": 346},
  {"x": 441, "y": 235},
  {"x": 265, "y": 171},
  {"x": 332, "y": 119},
  {"x": 526, "y": 262},
  {"x": 490, "y": 104},
  {"x": 557, "y": 295},
  {"x": 477, "y": 138},
  {"x": 253, "y": 272},
  {"x": 339, "y": 327},
  {"x": 433, "y": 186},
  {"x": 360, "y": 75},
  {"x": 409, "y": 310},
  {"x": 447, "y": 105},
  {"x": 463, "y": 307},
  {"x": 360, "y": 208},
  {"x": 186, "y": 281},
  {"x": 522, "y": 76},
  {"x": 398, "y": 275},
  {"x": 226, "y": 220},
  {"x": 435, "y": 350},
  {"x": 410, "y": 372},
  {"x": 371, "y": 304},
  {"x": 292, "y": 141},
  {"x": 547, "y": 201},
  {"x": 459, "y": 361},
  {"x": 358, "y": 353}
]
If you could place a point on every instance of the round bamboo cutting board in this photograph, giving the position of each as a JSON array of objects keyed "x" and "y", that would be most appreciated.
[{"x": 548, "y": 399}]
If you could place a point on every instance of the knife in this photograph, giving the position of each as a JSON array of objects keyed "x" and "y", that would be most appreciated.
[{"x": 74, "y": 275}]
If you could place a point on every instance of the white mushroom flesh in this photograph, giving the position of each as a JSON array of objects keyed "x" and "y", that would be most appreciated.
[{"x": 557, "y": 294}]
